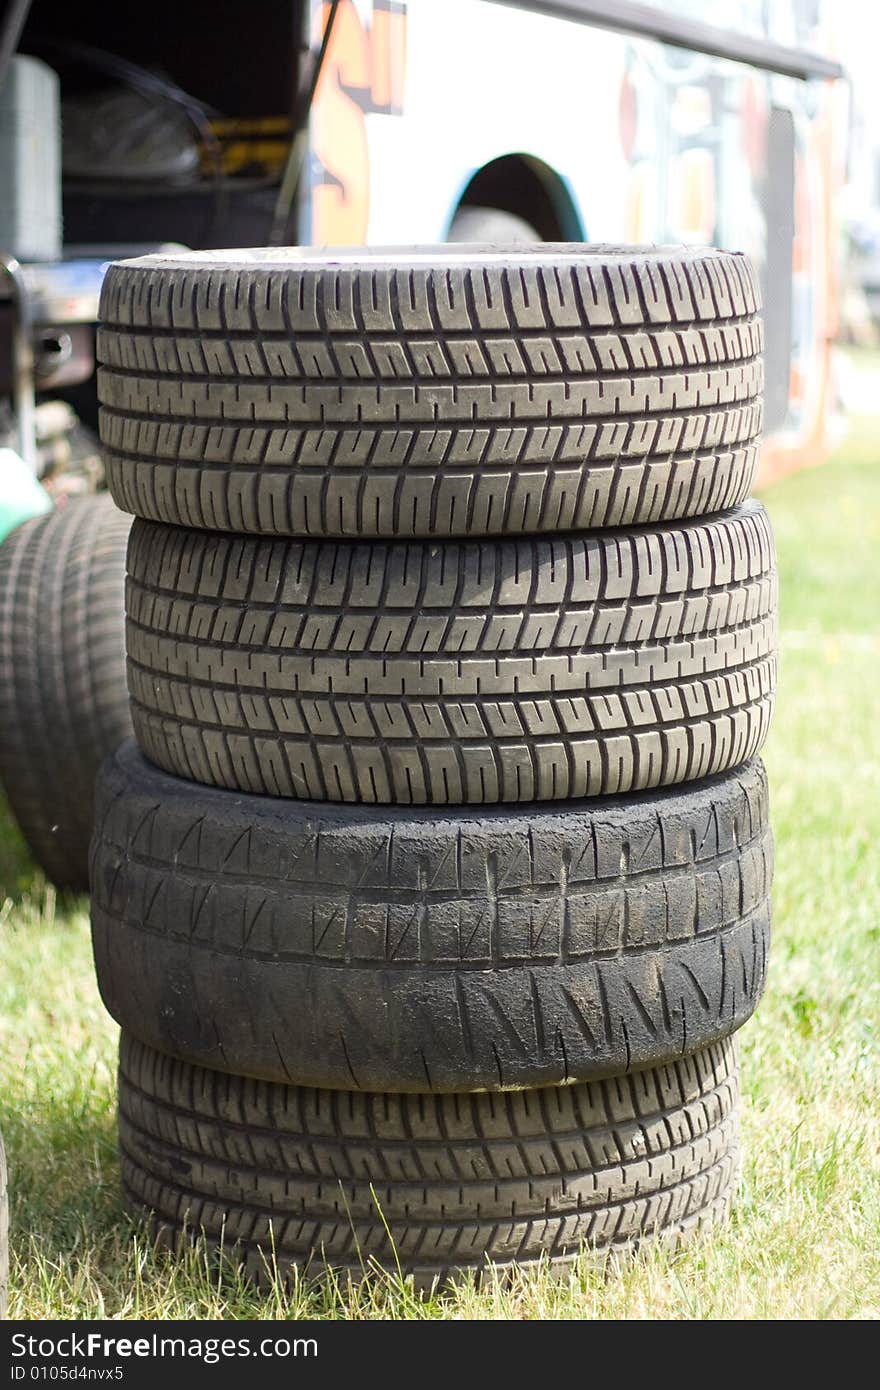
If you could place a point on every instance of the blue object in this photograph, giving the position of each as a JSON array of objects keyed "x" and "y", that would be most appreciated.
[{"x": 21, "y": 495}]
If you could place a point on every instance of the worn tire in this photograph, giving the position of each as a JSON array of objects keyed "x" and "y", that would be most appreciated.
[
  {"x": 63, "y": 698},
  {"x": 4, "y": 1234},
  {"x": 435, "y": 392},
  {"x": 462, "y": 673},
  {"x": 291, "y": 1178},
  {"x": 410, "y": 950}
]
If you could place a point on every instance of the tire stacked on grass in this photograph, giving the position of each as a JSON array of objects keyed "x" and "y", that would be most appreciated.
[{"x": 439, "y": 884}]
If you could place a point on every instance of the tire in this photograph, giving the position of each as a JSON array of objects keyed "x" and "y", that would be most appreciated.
[
  {"x": 415, "y": 951},
  {"x": 63, "y": 698},
  {"x": 433, "y": 1187},
  {"x": 4, "y": 1236},
  {"x": 454, "y": 674},
  {"x": 430, "y": 392},
  {"x": 482, "y": 227}
]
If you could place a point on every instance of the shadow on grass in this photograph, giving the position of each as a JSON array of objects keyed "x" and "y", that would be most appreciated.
[
  {"x": 22, "y": 881},
  {"x": 19, "y": 874}
]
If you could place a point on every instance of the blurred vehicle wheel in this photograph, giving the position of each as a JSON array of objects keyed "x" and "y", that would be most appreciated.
[
  {"x": 63, "y": 701},
  {"x": 489, "y": 227}
]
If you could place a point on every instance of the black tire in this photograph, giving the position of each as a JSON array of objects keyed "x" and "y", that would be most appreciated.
[
  {"x": 408, "y": 950},
  {"x": 4, "y": 1235},
  {"x": 463, "y": 673},
  {"x": 63, "y": 699},
  {"x": 305, "y": 1179},
  {"x": 431, "y": 392}
]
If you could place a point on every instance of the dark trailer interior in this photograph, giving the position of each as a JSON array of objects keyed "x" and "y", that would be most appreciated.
[
  {"x": 176, "y": 116},
  {"x": 136, "y": 128}
]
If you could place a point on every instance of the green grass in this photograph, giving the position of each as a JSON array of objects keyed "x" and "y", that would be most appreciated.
[{"x": 804, "y": 1240}]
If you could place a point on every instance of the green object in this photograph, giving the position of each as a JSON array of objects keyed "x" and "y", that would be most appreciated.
[{"x": 21, "y": 495}]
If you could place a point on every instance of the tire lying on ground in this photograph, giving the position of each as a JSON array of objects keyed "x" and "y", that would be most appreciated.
[
  {"x": 444, "y": 391},
  {"x": 419, "y": 950},
  {"x": 63, "y": 699},
  {"x": 432, "y": 1186},
  {"x": 466, "y": 672}
]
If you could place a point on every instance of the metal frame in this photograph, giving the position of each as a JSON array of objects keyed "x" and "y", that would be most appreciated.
[
  {"x": 23, "y": 397},
  {"x": 650, "y": 22},
  {"x": 10, "y": 32}
]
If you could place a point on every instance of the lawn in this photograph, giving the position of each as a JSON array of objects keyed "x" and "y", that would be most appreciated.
[{"x": 804, "y": 1239}]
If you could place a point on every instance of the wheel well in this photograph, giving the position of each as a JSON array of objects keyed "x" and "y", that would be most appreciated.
[{"x": 527, "y": 187}]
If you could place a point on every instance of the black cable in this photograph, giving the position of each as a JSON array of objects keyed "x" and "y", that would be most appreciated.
[
  {"x": 10, "y": 33},
  {"x": 142, "y": 80},
  {"x": 152, "y": 84},
  {"x": 281, "y": 219}
]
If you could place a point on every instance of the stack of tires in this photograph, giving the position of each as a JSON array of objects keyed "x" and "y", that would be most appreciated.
[{"x": 438, "y": 884}]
